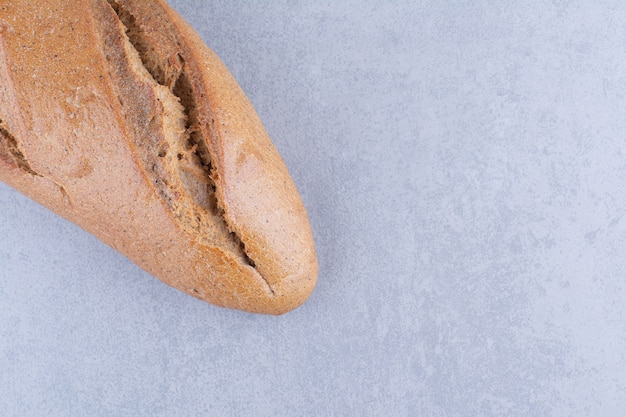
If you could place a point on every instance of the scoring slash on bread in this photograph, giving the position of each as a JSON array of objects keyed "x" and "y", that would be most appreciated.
[{"x": 115, "y": 115}]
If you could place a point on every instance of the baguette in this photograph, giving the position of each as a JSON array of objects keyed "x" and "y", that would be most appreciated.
[{"x": 115, "y": 115}]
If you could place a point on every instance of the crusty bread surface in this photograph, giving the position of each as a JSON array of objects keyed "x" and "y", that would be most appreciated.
[{"x": 115, "y": 115}]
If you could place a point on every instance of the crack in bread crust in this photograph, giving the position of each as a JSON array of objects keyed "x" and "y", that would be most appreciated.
[
  {"x": 179, "y": 162},
  {"x": 8, "y": 144},
  {"x": 11, "y": 153}
]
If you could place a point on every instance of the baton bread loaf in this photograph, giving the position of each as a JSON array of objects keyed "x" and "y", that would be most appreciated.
[{"x": 115, "y": 115}]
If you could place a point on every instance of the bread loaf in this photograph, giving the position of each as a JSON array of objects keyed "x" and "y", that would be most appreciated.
[{"x": 115, "y": 115}]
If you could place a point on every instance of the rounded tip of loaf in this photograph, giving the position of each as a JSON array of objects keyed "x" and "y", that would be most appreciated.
[
  {"x": 292, "y": 291},
  {"x": 221, "y": 280}
]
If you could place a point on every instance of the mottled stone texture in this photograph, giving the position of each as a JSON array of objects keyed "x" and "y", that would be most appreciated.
[{"x": 464, "y": 167}]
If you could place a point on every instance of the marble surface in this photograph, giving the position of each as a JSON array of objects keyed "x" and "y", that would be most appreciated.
[{"x": 463, "y": 166}]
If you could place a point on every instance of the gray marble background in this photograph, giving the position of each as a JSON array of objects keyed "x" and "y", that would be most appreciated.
[{"x": 464, "y": 167}]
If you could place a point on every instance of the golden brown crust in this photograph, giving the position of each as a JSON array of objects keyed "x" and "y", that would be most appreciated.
[{"x": 74, "y": 90}]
